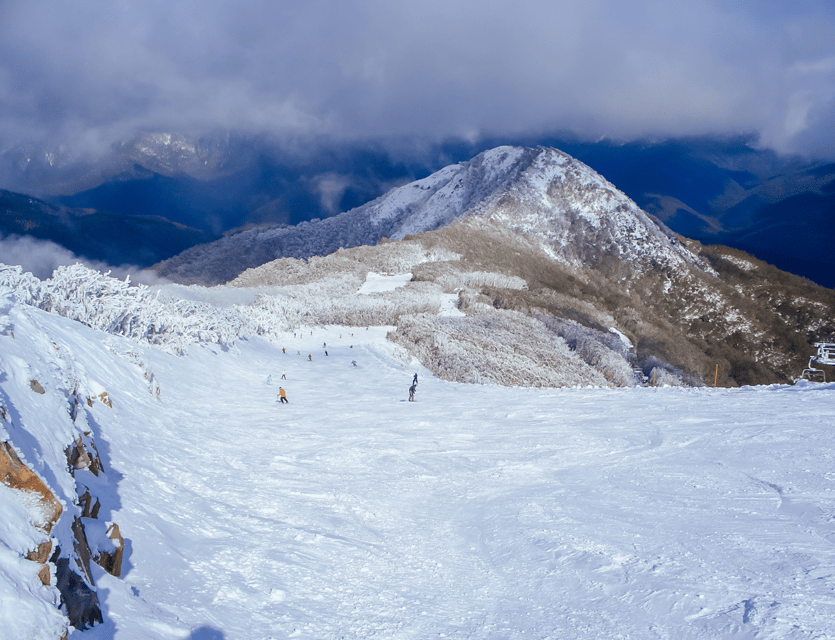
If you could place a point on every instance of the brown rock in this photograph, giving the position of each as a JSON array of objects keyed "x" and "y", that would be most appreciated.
[
  {"x": 15, "y": 474},
  {"x": 41, "y": 556},
  {"x": 79, "y": 458},
  {"x": 112, "y": 562},
  {"x": 89, "y": 509},
  {"x": 82, "y": 549}
]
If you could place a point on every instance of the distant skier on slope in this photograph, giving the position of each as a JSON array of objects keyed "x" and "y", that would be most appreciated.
[
  {"x": 282, "y": 395},
  {"x": 412, "y": 390},
  {"x": 414, "y": 382}
]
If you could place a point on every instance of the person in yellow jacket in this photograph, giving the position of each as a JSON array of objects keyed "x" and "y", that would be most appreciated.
[{"x": 282, "y": 394}]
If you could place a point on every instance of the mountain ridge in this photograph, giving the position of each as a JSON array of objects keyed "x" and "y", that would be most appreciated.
[{"x": 546, "y": 202}]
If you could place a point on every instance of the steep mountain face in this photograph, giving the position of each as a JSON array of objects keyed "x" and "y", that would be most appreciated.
[
  {"x": 730, "y": 192},
  {"x": 590, "y": 261},
  {"x": 574, "y": 214}
]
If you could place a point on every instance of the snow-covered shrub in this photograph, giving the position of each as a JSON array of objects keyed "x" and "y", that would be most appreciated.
[
  {"x": 135, "y": 312},
  {"x": 660, "y": 377},
  {"x": 663, "y": 374},
  {"x": 453, "y": 276},
  {"x": 502, "y": 347},
  {"x": 311, "y": 304},
  {"x": 394, "y": 257},
  {"x": 602, "y": 350}
]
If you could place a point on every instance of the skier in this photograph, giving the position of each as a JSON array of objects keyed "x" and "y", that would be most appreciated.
[
  {"x": 310, "y": 357},
  {"x": 326, "y": 353},
  {"x": 412, "y": 390},
  {"x": 282, "y": 396},
  {"x": 283, "y": 350},
  {"x": 283, "y": 376},
  {"x": 414, "y": 382},
  {"x": 354, "y": 362},
  {"x": 269, "y": 379}
]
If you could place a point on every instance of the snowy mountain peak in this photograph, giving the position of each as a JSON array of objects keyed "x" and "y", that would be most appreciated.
[{"x": 575, "y": 215}]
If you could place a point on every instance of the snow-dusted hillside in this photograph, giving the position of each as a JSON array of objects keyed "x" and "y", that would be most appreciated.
[
  {"x": 477, "y": 511},
  {"x": 559, "y": 202}
]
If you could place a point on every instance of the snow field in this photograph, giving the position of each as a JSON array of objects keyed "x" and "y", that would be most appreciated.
[{"x": 474, "y": 512}]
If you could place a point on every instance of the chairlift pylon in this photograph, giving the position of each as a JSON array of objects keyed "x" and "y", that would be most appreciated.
[{"x": 826, "y": 356}]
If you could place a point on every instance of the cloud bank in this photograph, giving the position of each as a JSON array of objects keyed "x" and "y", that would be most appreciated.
[
  {"x": 94, "y": 72},
  {"x": 42, "y": 257}
]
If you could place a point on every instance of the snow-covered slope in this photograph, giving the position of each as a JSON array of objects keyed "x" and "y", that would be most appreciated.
[
  {"x": 475, "y": 512},
  {"x": 560, "y": 202}
]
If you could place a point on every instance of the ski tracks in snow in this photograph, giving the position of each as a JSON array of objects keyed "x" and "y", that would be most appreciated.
[{"x": 474, "y": 512}]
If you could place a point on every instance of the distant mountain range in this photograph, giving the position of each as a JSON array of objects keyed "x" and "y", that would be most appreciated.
[
  {"x": 713, "y": 190},
  {"x": 109, "y": 237},
  {"x": 526, "y": 244}
]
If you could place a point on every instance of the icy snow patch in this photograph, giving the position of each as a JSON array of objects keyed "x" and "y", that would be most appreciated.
[
  {"x": 378, "y": 282},
  {"x": 626, "y": 341}
]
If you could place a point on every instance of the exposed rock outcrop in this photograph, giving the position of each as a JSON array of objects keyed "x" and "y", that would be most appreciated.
[{"x": 16, "y": 475}]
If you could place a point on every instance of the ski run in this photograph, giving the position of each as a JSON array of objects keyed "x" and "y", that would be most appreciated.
[{"x": 477, "y": 511}]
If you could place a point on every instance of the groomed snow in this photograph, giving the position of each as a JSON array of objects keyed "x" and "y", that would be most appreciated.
[{"x": 474, "y": 512}]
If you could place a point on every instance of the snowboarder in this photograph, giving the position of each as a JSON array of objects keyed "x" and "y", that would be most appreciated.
[
  {"x": 283, "y": 376},
  {"x": 412, "y": 390},
  {"x": 282, "y": 395}
]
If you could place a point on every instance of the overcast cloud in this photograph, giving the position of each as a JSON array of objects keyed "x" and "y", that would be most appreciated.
[{"x": 96, "y": 71}]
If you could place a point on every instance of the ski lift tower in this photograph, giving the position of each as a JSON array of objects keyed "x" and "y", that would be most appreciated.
[{"x": 825, "y": 355}]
